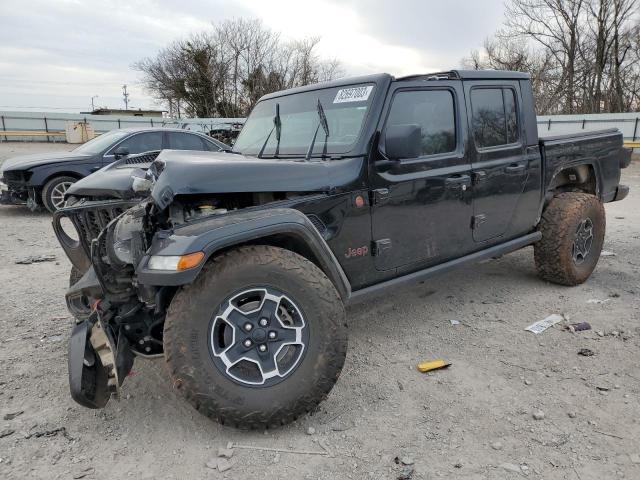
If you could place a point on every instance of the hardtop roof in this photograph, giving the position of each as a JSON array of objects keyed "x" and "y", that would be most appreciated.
[{"x": 385, "y": 77}]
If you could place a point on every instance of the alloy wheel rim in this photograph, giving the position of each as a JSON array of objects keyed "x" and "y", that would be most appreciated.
[
  {"x": 582, "y": 241},
  {"x": 58, "y": 193},
  {"x": 258, "y": 337}
]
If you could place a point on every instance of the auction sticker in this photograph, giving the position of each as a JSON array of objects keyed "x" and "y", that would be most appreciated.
[{"x": 355, "y": 94}]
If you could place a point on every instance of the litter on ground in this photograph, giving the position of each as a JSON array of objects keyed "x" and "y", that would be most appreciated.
[
  {"x": 432, "y": 365},
  {"x": 541, "y": 325},
  {"x": 586, "y": 352},
  {"x": 579, "y": 327},
  {"x": 597, "y": 301}
]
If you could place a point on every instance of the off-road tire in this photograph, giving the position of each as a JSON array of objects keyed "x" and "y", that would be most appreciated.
[
  {"x": 560, "y": 222},
  {"x": 187, "y": 348},
  {"x": 48, "y": 189}
]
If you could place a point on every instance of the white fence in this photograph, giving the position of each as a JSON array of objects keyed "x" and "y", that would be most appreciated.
[
  {"x": 627, "y": 123},
  {"x": 41, "y": 123}
]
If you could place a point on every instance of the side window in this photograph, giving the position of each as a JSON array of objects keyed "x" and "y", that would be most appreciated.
[
  {"x": 185, "y": 141},
  {"x": 495, "y": 116},
  {"x": 511, "y": 113},
  {"x": 434, "y": 111},
  {"x": 143, "y": 142},
  {"x": 211, "y": 146}
]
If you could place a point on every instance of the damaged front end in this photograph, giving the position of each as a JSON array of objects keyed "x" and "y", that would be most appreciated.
[
  {"x": 98, "y": 360},
  {"x": 114, "y": 324},
  {"x": 135, "y": 254}
]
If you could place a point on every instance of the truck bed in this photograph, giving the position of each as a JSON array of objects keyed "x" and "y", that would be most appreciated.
[{"x": 602, "y": 150}]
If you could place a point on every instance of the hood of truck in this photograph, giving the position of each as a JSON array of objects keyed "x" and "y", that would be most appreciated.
[
  {"x": 197, "y": 173},
  {"x": 107, "y": 182},
  {"x": 24, "y": 162}
]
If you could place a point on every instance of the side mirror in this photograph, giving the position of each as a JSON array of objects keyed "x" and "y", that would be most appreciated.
[
  {"x": 120, "y": 152},
  {"x": 403, "y": 141}
]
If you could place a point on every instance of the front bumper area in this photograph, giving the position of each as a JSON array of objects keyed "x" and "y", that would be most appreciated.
[
  {"x": 83, "y": 294},
  {"x": 11, "y": 196},
  {"x": 98, "y": 360},
  {"x": 621, "y": 193}
]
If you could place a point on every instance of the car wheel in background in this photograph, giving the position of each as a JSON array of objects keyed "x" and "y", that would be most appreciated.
[{"x": 54, "y": 191}]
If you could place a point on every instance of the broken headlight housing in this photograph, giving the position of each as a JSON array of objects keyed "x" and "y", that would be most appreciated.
[
  {"x": 142, "y": 181},
  {"x": 125, "y": 239}
]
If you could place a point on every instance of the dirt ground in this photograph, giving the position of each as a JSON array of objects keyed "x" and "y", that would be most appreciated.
[{"x": 473, "y": 420}]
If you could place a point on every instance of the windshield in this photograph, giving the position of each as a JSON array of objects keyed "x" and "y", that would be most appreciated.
[
  {"x": 344, "y": 107},
  {"x": 101, "y": 143}
]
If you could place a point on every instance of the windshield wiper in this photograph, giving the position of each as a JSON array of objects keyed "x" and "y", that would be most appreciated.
[
  {"x": 277, "y": 126},
  {"x": 325, "y": 126}
]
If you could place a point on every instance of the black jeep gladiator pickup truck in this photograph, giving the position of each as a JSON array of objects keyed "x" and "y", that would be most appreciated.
[{"x": 236, "y": 266}]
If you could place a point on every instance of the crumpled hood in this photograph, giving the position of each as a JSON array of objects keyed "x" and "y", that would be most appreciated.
[
  {"x": 23, "y": 162},
  {"x": 191, "y": 173},
  {"x": 107, "y": 182}
]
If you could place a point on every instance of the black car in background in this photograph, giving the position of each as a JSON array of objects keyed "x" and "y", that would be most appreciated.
[{"x": 42, "y": 179}]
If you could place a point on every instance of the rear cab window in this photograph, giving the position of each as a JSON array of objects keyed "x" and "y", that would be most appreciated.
[{"x": 494, "y": 117}]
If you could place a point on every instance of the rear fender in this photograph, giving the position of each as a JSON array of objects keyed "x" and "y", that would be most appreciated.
[
  {"x": 221, "y": 232},
  {"x": 577, "y": 173}
]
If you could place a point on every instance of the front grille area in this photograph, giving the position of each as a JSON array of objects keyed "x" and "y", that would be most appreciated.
[
  {"x": 16, "y": 179},
  {"x": 90, "y": 218}
]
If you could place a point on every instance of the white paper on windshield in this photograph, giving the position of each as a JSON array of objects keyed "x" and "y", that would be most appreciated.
[{"x": 355, "y": 94}]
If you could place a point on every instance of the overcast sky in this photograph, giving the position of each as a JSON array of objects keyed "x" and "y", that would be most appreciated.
[{"x": 57, "y": 54}]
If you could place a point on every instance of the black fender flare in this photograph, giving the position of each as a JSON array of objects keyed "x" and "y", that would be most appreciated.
[
  {"x": 594, "y": 165},
  {"x": 220, "y": 232}
]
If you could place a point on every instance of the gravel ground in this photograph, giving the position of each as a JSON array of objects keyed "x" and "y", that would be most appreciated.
[{"x": 474, "y": 420}]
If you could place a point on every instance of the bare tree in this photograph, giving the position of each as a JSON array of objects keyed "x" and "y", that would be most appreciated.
[
  {"x": 225, "y": 71},
  {"x": 582, "y": 55},
  {"x": 555, "y": 25}
]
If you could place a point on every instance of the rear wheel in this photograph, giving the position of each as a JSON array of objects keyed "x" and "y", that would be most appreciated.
[
  {"x": 54, "y": 191},
  {"x": 573, "y": 228},
  {"x": 258, "y": 339}
]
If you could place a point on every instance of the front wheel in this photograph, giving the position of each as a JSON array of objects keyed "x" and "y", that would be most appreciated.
[
  {"x": 54, "y": 191},
  {"x": 573, "y": 227},
  {"x": 258, "y": 339}
]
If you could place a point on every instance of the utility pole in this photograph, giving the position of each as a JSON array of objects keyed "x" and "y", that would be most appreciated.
[
  {"x": 92, "y": 105},
  {"x": 125, "y": 97}
]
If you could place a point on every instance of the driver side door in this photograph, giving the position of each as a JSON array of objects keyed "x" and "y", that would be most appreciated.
[{"x": 422, "y": 207}]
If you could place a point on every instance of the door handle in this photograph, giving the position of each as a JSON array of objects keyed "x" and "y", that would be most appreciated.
[
  {"x": 95, "y": 169},
  {"x": 457, "y": 181},
  {"x": 515, "y": 168}
]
